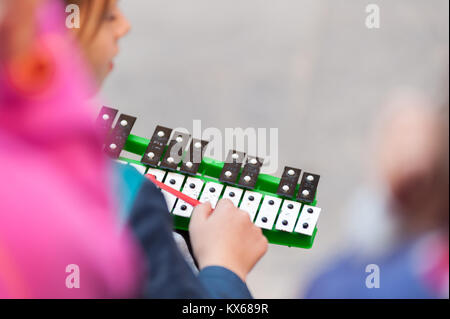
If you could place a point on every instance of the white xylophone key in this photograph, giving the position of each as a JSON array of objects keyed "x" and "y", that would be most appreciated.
[
  {"x": 308, "y": 220},
  {"x": 175, "y": 181},
  {"x": 140, "y": 168},
  {"x": 234, "y": 194},
  {"x": 211, "y": 193},
  {"x": 159, "y": 174},
  {"x": 288, "y": 216},
  {"x": 268, "y": 212},
  {"x": 192, "y": 188},
  {"x": 250, "y": 203}
]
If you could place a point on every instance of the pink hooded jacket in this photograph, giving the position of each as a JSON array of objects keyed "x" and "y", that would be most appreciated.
[{"x": 58, "y": 224}]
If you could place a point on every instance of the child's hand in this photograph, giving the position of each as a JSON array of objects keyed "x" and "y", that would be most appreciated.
[{"x": 226, "y": 237}]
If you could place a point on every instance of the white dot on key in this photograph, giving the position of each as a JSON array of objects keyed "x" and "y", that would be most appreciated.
[
  {"x": 124, "y": 123},
  {"x": 151, "y": 155},
  {"x": 310, "y": 178},
  {"x": 305, "y": 193},
  {"x": 189, "y": 164},
  {"x": 105, "y": 117},
  {"x": 286, "y": 188},
  {"x": 113, "y": 146},
  {"x": 161, "y": 134},
  {"x": 247, "y": 179},
  {"x": 228, "y": 174},
  {"x": 291, "y": 172}
]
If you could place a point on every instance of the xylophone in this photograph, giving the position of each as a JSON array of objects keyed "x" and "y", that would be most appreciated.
[{"x": 283, "y": 208}]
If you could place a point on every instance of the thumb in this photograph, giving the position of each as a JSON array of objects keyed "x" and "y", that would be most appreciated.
[{"x": 202, "y": 212}]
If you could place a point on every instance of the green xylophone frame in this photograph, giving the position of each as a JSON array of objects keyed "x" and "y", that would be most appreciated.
[{"x": 209, "y": 171}]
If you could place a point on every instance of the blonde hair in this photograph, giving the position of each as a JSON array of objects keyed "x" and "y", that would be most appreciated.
[{"x": 91, "y": 16}]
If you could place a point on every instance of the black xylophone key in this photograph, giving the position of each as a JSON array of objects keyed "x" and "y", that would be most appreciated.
[
  {"x": 308, "y": 188},
  {"x": 174, "y": 153},
  {"x": 157, "y": 145},
  {"x": 288, "y": 182},
  {"x": 105, "y": 120},
  {"x": 193, "y": 157},
  {"x": 232, "y": 167},
  {"x": 117, "y": 139},
  {"x": 250, "y": 172}
]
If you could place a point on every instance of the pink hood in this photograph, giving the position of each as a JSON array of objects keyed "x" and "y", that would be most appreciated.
[{"x": 56, "y": 207}]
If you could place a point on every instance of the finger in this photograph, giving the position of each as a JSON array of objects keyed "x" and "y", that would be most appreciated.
[
  {"x": 264, "y": 246},
  {"x": 202, "y": 212},
  {"x": 245, "y": 216},
  {"x": 225, "y": 205}
]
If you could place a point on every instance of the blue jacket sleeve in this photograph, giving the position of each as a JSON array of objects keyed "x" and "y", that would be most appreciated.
[
  {"x": 169, "y": 274},
  {"x": 222, "y": 283}
]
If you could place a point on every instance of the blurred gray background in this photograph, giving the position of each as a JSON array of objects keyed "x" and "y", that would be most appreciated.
[{"x": 310, "y": 68}]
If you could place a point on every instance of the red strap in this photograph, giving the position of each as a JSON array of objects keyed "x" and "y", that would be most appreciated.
[{"x": 178, "y": 194}]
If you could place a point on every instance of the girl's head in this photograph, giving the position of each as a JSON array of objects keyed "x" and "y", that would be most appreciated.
[{"x": 102, "y": 24}]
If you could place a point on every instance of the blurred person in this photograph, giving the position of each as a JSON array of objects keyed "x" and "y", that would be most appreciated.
[
  {"x": 59, "y": 236},
  {"x": 400, "y": 226},
  {"x": 67, "y": 213},
  {"x": 225, "y": 242}
]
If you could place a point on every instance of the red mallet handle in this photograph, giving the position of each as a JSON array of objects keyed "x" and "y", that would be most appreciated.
[{"x": 178, "y": 194}]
